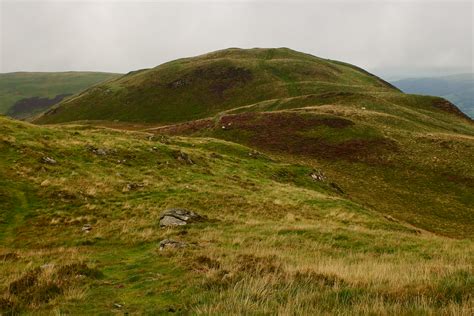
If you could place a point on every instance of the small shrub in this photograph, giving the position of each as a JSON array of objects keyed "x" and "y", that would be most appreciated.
[
  {"x": 315, "y": 278},
  {"x": 25, "y": 283},
  {"x": 220, "y": 280},
  {"x": 9, "y": 256},
  {"x": 206, "y": 263},
  {"x": 44, "y": 293},
  {"x": 8, "y": 307}
]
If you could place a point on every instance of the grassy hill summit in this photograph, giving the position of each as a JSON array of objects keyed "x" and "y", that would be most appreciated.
[{"x": 198, "y": 87}]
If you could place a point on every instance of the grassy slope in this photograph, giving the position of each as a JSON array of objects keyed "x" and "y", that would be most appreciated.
[
  {"x": 391, "y": 152},
  {"x": 19, "y": 85},
  {"x": 202, "y": 86},
  {"x": 276, "y": 241}
]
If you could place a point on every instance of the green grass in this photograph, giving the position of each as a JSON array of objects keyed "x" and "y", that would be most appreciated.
[
  {"x": 412, "y": 166},
  {"x": 276, "y": 241},
  {"x": 20, "y": 85},
  {"x": 388, "y": 230}
]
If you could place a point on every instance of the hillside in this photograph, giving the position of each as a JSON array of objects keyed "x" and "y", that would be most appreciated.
[
  {"x": 29, "y": 87},
  {"x": 322, "y": 190},
  {"x": 386, "y": 154},
  {"x": 202, "y": 86},
  {"x": 80, "y": 232},
  {"x": 30, "y": 107},
  {"x": 414, "y": 151},
  {"x": 458, "y": 89}
]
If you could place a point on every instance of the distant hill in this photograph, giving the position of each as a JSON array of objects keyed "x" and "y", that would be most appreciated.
[
  {"x": 38, "y": 89},
  {"x": 29, "y": 107},
  {"x": 458, "y": 89}
]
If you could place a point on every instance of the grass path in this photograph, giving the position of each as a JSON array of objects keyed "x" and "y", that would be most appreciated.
[{"x": 13, "y": 210}]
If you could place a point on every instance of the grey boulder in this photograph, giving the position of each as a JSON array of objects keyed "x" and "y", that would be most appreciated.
[
  {"x": 178, "y": 217},
  {"x": 48, "y": 160}
]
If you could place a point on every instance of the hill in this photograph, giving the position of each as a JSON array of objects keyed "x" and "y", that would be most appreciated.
[
  {"x": 390, "y": 154},
  {"x": 320, "y": 113},
  {"x": 458, "y": 89},
  {"x": 324, "y": 190},
  {"x": 202, "y": 86},
  {"x": 23, "y": 94},
  {"x": 80, "y": 232}
]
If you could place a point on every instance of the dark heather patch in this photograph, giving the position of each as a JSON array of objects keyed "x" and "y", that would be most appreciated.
[
  {"x": 78, "y": 269},
  {"x": 447, "y": 106},
  {"x": 27, "y": 106},
  {"x": 206, "y": 263},
  {"x": 218, "y": 78},
  {"x": 258, "y": 265},
  {"x": 9, "y": 256},
  {"x": 459, "y": 179},
  {"x": 321, "y": 279},
  {"x": 281, "y": 132},
  {"x": 23, "y": 284}
]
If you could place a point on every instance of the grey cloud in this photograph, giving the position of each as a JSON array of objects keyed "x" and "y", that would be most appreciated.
[{"x": 386, "y": 37}]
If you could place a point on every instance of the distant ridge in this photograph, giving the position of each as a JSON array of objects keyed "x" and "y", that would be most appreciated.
[
  {"x": 16, "y": 86},
  {"x": 458, "y": 89}
]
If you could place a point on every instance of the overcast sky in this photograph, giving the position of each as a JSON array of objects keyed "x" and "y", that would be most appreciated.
[{"x": 391, "y": 38}]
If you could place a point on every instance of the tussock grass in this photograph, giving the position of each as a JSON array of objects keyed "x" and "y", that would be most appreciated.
[{"x": 276, "y": 242}]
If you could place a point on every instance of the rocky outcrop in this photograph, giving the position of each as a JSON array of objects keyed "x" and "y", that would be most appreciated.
[{"x": 178, "y": 217}]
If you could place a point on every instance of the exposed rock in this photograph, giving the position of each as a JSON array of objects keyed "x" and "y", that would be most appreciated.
[
  {"x": 133, "y": 186},
  {"x": 48, "y": 160},
  {"x": 170, "y": 243},
  {"x": 164, "y": 139},
  {"x": 178, "y": 217},
  {"x": 168, "y": 221},
  {"x": 178, "y": 83},
  {"x": 47, "y": 266},
  {"x": 87, "y": 228},
  {"x": 183, "y": 157},
  {"x": 318, "y": 175},
  {"x": 98, "y": 151},
  {"x": 390, "y": 218},
  {"x": 254, "y": 154}
]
